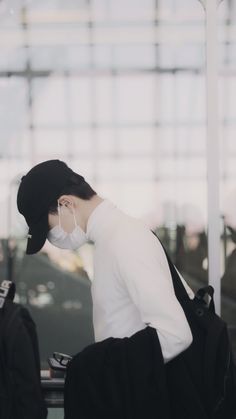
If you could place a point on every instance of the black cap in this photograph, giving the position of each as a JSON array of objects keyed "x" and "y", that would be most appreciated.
[{"x": 38, "y": 189}]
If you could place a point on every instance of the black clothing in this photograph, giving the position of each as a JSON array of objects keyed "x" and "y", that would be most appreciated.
[{"x": 126, "y": 378}]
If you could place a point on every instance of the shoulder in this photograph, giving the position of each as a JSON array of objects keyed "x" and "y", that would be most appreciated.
[{"x": 134, "y": 237}]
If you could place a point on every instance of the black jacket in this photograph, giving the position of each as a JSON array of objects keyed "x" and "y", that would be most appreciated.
[{"x": 126, "y": 378}]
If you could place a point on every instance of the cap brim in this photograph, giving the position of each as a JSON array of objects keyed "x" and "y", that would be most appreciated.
[{"x": 38, "y": 237}]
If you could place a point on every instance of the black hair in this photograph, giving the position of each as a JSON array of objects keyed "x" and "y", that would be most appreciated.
[{"x": 74, "y": 186}]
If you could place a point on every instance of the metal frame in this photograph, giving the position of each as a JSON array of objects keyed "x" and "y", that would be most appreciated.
[{"x": 213, "y": 154}]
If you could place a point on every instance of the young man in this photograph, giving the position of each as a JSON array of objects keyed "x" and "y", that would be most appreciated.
[{"x": 132, "y": 285}]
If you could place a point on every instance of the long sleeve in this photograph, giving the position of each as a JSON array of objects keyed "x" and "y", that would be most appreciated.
[{"x": 142, "y": 266}]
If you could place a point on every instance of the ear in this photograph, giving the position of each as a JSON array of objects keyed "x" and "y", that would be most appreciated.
[{"x": 67, "y": 200}]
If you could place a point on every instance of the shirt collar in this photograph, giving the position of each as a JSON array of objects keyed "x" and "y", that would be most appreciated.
[{"x": 99, "y": 220}]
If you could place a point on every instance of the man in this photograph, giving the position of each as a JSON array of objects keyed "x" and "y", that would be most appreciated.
[{"x": 132, "y": 285}]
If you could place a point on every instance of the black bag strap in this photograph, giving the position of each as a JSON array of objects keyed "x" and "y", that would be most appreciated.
[
  {"x": 7, "y": 291},
  {"x": 180, "y": 290}
]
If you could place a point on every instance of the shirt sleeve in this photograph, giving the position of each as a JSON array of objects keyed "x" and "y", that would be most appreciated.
[{"x": 143, "y": 267}]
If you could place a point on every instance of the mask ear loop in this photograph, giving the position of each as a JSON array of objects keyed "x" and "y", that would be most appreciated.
[
  {"x": 74, "y": 214},
  {"x": 59, "y": 213}
]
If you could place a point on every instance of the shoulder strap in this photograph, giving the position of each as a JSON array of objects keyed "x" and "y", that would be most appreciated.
[{"x": 180, "y": 290}]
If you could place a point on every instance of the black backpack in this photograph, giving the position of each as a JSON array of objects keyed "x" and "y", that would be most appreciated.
[
  {"x": 21, "y": 396},
  {"x": 209, "y": 359}
]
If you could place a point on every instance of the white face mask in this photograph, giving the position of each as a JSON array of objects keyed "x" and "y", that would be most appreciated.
[{"x": 60, "y": 238}]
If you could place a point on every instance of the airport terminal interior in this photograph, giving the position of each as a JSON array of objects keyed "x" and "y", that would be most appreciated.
[{"x": 123, "y": 92}]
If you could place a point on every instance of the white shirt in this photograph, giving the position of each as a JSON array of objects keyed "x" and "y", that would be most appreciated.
[{"x": 132, "y": 285}]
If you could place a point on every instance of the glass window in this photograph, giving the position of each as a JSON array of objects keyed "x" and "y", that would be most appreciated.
[
  {"x": 135, "y": 98},
  {"x": 49, "y": 101},
  {"x": 117, "y": 90}
]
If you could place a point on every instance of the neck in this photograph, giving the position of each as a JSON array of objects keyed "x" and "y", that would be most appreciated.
[{"x": 86, "y": 208}]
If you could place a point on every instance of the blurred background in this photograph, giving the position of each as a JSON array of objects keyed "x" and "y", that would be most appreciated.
[{"x": 117, "y": 90}]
